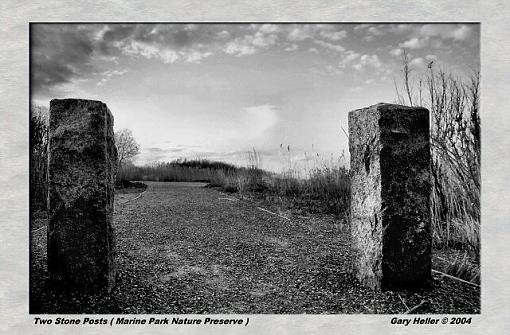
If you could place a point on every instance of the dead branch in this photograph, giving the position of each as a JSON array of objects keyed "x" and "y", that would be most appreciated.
[
  {"x": 409, "y": 311},
  {"x": 455, "y": 278},
  {"x": 403, "y": 302}
]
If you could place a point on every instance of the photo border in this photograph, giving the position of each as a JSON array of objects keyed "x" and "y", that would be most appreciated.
[{"x": 495, "y": 142}]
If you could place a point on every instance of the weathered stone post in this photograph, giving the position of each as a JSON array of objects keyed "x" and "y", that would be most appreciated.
[
  {"x": 82, "y": 164},
  {"x": 390, "y": 195}
]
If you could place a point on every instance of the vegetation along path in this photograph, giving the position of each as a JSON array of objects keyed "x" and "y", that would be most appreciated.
[{"x": 185, "y": 248}]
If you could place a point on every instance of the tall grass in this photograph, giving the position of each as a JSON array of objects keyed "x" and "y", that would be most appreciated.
[
  {"x": 462, "y": 266},
  {"x": 455, "y": 139}
]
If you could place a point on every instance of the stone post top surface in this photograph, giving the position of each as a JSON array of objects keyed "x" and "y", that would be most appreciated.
[
  {"x": 387, "y": 107},
  {"x": 70, "y": 106},
  {"x": 75, "y": 101}
]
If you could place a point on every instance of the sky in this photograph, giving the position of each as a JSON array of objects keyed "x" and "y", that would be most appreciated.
[{"x": 220, "y": 91}]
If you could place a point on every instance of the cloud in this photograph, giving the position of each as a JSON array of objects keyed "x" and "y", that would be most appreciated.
[
  {"x": 107, "y": 75},
  {"x": 418, "y": 62},
  {"x": 333, "y": 35},
  {"x": 195, "y": 56},
  {"x": 239, "y": 47},
  {"x": 269, "y": 28},
  {"x": 330, "y": 69},
  {"x": 299, "y": 33},
  {"x": 462, "y": 33},
  {"x": 396, "y": 52},
  {"x": 165, "y": 54},
  {"x": 264, "y": 36},
  {"x": 434, "y": 35},
  {"x": 414, "y": 43},
  {"x": 431, "y": 57},
  {"x": 361, "y": 26},
  {"x": 328, "y": 32},
  {"x": 168, "y": 43},
  {"x": 334, "y": 47},
  {"x": 400, "y": 28},
  {"x": 368, "y": 61},
  {"x": 292, "y": 47},
  {"x": 374, "y": 31},
  {"x": 262, "y": 40},
  {"x": 150, "y": 51},
  {"x": 384, "y": 74},
  {"x": 223, "y": 34},
  {"x": 64, "y": 53},
  {"x": 59, "y": 55},
  {"x": 348, "y": 58},
  {"x": 371, "y": 32},
  {"x": 446, "y": 31},
  {"x": 362, "y": 62}
]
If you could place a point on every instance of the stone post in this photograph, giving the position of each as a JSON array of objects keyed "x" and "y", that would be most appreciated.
[
  {"x": 81, "y": 176},
  {"x": 390, "y": 195}
]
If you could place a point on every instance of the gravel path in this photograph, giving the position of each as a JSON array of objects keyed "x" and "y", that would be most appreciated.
[{"x": 183, "y": 248}]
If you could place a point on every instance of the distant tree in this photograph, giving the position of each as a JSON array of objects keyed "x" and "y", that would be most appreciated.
[{"x": 127, "y": 147}]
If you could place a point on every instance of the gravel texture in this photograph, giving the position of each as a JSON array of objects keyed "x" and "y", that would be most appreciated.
[{"x": 183, "y": 248}]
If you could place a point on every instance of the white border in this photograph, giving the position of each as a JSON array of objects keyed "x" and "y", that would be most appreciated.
[{"x": 14, "y": 18}]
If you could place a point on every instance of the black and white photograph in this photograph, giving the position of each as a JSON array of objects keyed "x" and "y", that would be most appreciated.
[{"x": 254, "y": 168}]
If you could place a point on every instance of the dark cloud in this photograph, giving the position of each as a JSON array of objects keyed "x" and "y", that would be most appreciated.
[
  {"x": 182, "y": 38},
  {"x": 61, "y": 53},
  {"x": 117, "y": 33},
  {"x": 58, "y": 55},
  {"x": 177, "y": 36}
]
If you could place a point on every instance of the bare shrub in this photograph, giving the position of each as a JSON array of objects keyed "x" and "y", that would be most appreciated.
[
  {"x": 127, "y": 147},
  {"x": 38, "y": 157},
  {"x": 455, "y": 140}
]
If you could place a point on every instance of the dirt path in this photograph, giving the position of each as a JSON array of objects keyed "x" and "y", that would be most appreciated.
[{"x": 184, "y": 248}]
